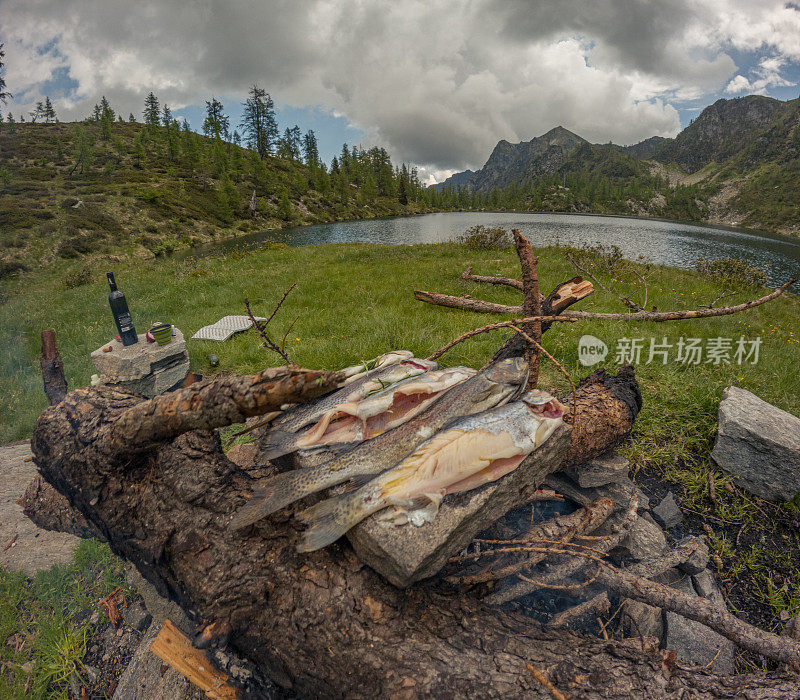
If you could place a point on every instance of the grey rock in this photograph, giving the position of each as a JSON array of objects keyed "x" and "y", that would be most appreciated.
[
  {"x": 620, "y": 492},
  {"x": 606, "y": 469},
  {"x": 143, "y": 679},
  {"x": 706, "y": 587},
  {"x": 668, "y": 512},
  {"x": 407, "y": 553},
  {"x": 646, "y": 539},
  {"x": 759, "y": 445},
  {"x": 642, "y": 619},
  {"x": 157, "y": 605},
  {"x": 698, "y": 562},
  {"x": 144, "y": 368},
  {"x": 696, "y": 643},
  {"x": 137, "y": 617}
]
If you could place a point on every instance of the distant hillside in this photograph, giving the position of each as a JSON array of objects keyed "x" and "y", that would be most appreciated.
[
  {"x": 514, "y": 162},
  {"x": 738, "y": 163},
  {"x": 70, "y": 190}
]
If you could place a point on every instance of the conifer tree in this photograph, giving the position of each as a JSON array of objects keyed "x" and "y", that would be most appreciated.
[
  {"x": 151, "y": 113},
  {"x": 3, "y": 94},
  {"x": 37, "y": 112},
  {"x": 216, "y": 123},
  {"x": 84, "y": 149},
  {"x": 105, "y": 125},
  {"x": 131, "y": 118},
  {"x": 105, "y": 108},
  {"x": 284, "y": 206},
  {"x": 97, "y": 113},
  {"x": 258, "y": 121},
  {"x": 310, "y": 149},
  {"x": 166, "y": 115},
  {"x": 49, "y": 111}
]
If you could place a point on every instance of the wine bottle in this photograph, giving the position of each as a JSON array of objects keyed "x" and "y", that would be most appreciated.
[{"x": 122, "y": 316}]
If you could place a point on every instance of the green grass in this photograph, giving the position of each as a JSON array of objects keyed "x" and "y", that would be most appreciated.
[{"x": 49, "y": 618}]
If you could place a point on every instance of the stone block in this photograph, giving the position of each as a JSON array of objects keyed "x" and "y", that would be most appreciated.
[
  {"x": 668, "y": 512},
  {"x": 646, "y": 539},
  {"x": 144, "y": 368},
  {"x": 759, "y": 445}
]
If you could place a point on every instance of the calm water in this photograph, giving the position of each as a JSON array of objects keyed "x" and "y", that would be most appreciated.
[{"x": 665, "y": 242}]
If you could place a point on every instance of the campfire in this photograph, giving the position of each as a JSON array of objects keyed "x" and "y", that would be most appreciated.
[{"x": 423, "y": 608}]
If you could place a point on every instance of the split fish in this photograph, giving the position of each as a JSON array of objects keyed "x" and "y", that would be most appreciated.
[
  {"x": 374, "y": 380},
  {"x": 494, "y": 386},
  {"x": 357, "y": 420},
  {"x": 468, "y": 453}
]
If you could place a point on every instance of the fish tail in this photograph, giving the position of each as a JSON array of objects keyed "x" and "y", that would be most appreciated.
[
  {"x": 278, "y": 443},
  {"x": 280, "y": 491},
  {"x": 328, "y": 520}
]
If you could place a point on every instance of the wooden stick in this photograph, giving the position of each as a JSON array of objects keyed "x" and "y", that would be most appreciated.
[
  {"x": 507, "y": 281},
  {"x": 654, "y": 316},
  {"x": 175, "y": 649},
  {"x": 531, "y": 305},
  {"x": 55, "y": 384},
  {"x": 539, "y": 676},
  {"x": 492, "y": 327}
]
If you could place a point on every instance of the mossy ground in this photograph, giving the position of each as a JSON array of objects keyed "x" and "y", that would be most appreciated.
[{"x": 354, "y": 301}]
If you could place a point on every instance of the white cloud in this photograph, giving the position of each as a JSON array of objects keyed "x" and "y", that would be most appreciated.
[{"x": 437, "y": 84}]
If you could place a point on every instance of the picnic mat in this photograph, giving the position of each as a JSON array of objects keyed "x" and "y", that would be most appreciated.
[{"x": 225, "y": 328}]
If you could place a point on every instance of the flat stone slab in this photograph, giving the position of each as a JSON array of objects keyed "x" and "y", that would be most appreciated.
[
  {"x": 33, "y": 549},
  {"x": 126, "y": 363},
  {"x": 759, "y": 445},
  {"x": 144, "y": 368},
  {"x": 608, "y": 468},
  {"x": 668, "y": 512},
  {"x": 407, "y": 553}
]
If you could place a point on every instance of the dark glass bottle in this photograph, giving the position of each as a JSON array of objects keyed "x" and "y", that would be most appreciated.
[{"x": 122, "y": 317}]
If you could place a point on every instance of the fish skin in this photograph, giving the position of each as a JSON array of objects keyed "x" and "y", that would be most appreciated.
[
  {"x": 465, "y": 449},
  {"x": 291, "y": 421},
  {"x": 494, "y": 386},
  {"x": 355, "y": 372}
]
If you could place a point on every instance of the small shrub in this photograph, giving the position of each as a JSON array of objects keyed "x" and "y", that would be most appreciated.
[
  {"x": 74, "y": 246},
  {"x": 733, "y": 270},
  {"x": 148, "y": 195},
  {"x": 11, "y": 267},
  {"x": 77, "y": 278},
  {"x": 483, "y": 238}
]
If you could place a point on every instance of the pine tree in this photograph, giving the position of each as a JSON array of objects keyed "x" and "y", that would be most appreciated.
[
  {"x": 310, "y": 149},
  {"x": 403, "y": 186},
  {"x": 105, "y": 108},
  {"x": 131, "y": 118},
  {"x": 166, "y": 115},
  {"x": 3, "y": 94},
  {"x": 84, "y": 149},
  {"x": 49, "y": 111},
  {"x": 151, "y": 111},
  {"x": 105, "y": 125},
  {"x": 216, "y": 123},
  {"x": 10, "y": 122},
  {"x": 97, "y": 113},
  {"x": 37, "y": 112},
  {"x": 284, "y": 206},
  {"x": 237, "y": 140},
  {"x": 139, "y": 153},
  {"x": 258, "y": 121}
]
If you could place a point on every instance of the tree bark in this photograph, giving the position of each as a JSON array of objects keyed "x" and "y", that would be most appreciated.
[
  {"x": 531, "y": 303},
  {"x": 323, "y": 624},
  {"x": 55, "y": 384}
]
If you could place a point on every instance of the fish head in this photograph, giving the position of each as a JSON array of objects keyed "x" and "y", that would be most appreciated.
[
  {"x": 512, "y": 372},
  {"x": 390, "y": 358},
  {"x": 542, "y": 404}
]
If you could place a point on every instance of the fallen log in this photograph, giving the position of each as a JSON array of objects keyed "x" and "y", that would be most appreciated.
[{"x": 323, "y": 624}]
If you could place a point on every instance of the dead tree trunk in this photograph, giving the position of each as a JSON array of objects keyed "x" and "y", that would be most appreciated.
[
  {"x": 55, "y": 384},
  {"x": 323, "y": 624}
]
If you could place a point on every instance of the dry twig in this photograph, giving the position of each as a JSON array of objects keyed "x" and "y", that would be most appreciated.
[{"x": 262, "y": 327}]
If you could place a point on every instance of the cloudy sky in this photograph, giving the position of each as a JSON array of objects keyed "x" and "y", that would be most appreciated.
[{"x": 438, "y": 82}]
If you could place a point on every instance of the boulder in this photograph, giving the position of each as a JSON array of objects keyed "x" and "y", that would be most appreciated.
[
  {"x": 640, "y": 619},
  {"x": 759, "y": 445},
  {"x": 606, "y": 469},
  {"x": 145, "y": 368},
  {"x": 646, "y": 539},
  {"x": 667, "y": 513},
  {"x": 407, "y": 553},
  {"x": 696, "y": 643}
]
